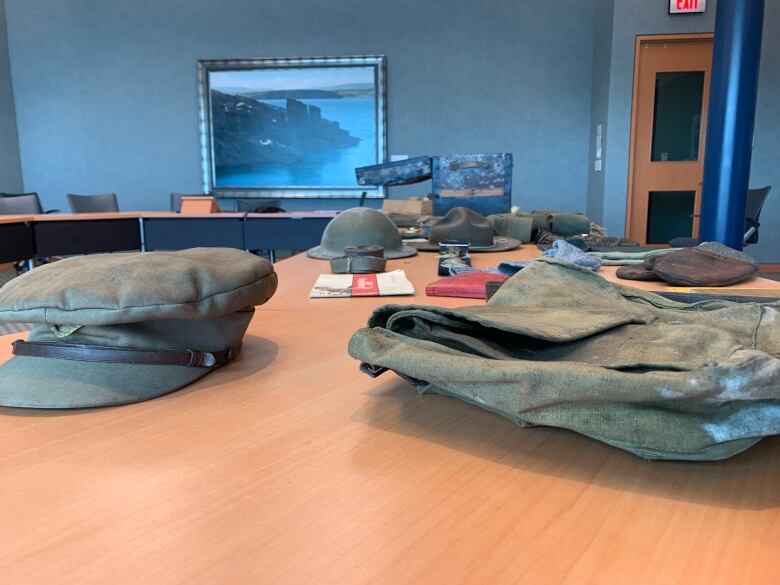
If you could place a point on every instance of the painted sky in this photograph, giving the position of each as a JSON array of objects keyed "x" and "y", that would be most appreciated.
[{"x": 306, "y": 78}]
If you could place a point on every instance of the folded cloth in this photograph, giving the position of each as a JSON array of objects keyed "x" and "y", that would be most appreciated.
[
  {"x": 592, "y": 242},
  {"x": 470, "y": 285},
  {"x": 562, "y": 251},
  {"x": 621, "y": 258},
  {"x": 560, "y": 346},
  {"x": 563, "y": 223},
  {"x": 513, "y": 225},
  {"x": 589, "y": 243}
]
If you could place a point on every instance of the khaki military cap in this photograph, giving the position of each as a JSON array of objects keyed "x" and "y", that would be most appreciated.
[{"x": 114, "y": 329}]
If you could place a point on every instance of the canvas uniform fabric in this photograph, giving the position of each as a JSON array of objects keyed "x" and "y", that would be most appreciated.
[
  {"x": 560, "y": 346},
  {"x": 515, "y": 225},
  {"x": 562, "y": 223},
  {"x": 200, "y": 299}
]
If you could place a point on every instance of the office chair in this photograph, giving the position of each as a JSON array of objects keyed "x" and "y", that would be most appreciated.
[
  {"x": 93, "y": 203},
  {"x": 755, "y": 203},
  {"x": 753, "y": 206},
  {"x": 27, "y": 206}
]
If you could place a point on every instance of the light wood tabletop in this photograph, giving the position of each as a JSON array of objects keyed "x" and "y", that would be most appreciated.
[
  {"x": 291, "y": 467},
  {"x": 110, "y": 215},
  {"x": 15, "y": 218}
]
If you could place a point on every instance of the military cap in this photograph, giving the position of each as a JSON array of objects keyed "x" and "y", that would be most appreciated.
[{"x": 114, "y": 329}]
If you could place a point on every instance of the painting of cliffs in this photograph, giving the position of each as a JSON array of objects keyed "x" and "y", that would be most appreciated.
[{"x": 287, "y": 128}]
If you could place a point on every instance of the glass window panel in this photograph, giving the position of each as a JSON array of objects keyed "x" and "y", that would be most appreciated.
[
  {"x": 669, "y": 215},
  {"x": 677, "y": 115}
]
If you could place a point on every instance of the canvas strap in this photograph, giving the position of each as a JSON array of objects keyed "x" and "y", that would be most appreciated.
[
  {"x": 121, "y": 355},
  {"x": 357, "y": 265}
]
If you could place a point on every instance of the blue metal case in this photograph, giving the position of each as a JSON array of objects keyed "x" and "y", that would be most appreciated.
[
  {"x": 402, "y": 172},
  {"x": 482, "y": 182}
]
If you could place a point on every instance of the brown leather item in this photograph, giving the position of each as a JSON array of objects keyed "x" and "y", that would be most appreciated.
[
  {"x": 696, "y": 267},
  {"x": 649, "y": 262},
  {"x": 636, "y": 272},
  {"x": 96, "y": 353}
]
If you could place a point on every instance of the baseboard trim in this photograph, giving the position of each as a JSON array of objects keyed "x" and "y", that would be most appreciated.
[{"x": 771, "y": 267}]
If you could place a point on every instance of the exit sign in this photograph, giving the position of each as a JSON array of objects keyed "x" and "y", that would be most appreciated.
[{"x": 687, "y": 6}]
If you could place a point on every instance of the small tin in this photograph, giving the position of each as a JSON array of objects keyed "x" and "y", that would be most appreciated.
[{"x": 453, "y": 257}]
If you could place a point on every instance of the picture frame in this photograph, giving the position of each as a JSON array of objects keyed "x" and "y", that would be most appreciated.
[{"x": 291, "y": 127}]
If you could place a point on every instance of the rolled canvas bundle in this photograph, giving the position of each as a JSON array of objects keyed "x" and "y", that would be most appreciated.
[{"x": 560, "y": 346}]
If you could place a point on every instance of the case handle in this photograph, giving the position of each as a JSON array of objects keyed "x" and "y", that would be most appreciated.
[{"x": 469, "y": 164}]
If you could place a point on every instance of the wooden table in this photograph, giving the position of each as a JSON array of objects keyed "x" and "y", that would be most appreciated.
[
  {"x": 290, "y": 466},
  {"x": 16, "y": 238},
  {"x": 64, "y": 234}
]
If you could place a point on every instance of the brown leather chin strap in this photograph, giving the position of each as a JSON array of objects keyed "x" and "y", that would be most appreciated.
[{"x": 120, "y": 355}]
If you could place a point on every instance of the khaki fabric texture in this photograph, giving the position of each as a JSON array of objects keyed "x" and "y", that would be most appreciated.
[
  {"x": 560, "y": 346},
  {"x": 199, "y": 283},
  {"x": 200, "y": 299},
  {"x": 514, "y": 225},
  {"x": 28, "y": 382}
]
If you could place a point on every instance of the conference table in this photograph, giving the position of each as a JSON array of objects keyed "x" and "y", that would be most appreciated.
[
  {"x": 64, "y": 234},
  {"x": 16, "y": 238},
  {"x": 289, "y": 466}
]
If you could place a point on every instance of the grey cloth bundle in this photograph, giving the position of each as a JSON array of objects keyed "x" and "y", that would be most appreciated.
[{"x": 560, "y": 346}]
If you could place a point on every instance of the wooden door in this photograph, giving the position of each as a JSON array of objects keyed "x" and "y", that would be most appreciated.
[{"x": 669, "y": 123}]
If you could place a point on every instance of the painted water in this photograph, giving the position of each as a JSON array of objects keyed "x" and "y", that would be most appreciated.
[{"x": 317, "y": 168}]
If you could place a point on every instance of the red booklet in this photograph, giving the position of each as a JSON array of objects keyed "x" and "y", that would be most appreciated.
[{"x": 470, "y": 285}]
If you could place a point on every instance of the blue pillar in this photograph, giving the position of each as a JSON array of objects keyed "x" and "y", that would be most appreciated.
[{"x": 735, "y": 59}]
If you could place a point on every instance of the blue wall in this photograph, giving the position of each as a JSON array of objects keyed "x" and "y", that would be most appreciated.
[
  {"x": 632, "y": 19},
  {"x": 599, "y": 112},
  {"x": 106, "y": 91},
  {"x": 765, "y": 165},
  {"x": 10, "y": 170},
  {"x": 644, "y": 17}
]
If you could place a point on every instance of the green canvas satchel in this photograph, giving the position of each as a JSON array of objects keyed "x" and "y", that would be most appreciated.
[{"x": 560, "y": 346}]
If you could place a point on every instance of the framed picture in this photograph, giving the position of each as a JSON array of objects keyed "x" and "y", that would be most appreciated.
[{"x": 294, "y": 127}]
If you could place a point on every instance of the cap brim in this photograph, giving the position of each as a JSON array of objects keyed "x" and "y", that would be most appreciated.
[
  {"x": 30, "y": 382},
  {"x": 321, "y": 253},
  {"x": 500, "y": 244}
]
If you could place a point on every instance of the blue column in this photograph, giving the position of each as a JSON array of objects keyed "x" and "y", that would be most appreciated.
[{"x": 735, "y": 59}]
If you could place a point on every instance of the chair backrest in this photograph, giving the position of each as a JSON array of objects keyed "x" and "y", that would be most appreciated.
[
  {"x": 93, "y": 203},
  {"x": 27, "y": 204},
  {"x": 26, "y": 198},
  {"x": 753, "y": 206},
  {"x": 755, "y": 202},
  {"x": 176, "y": 199}
]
